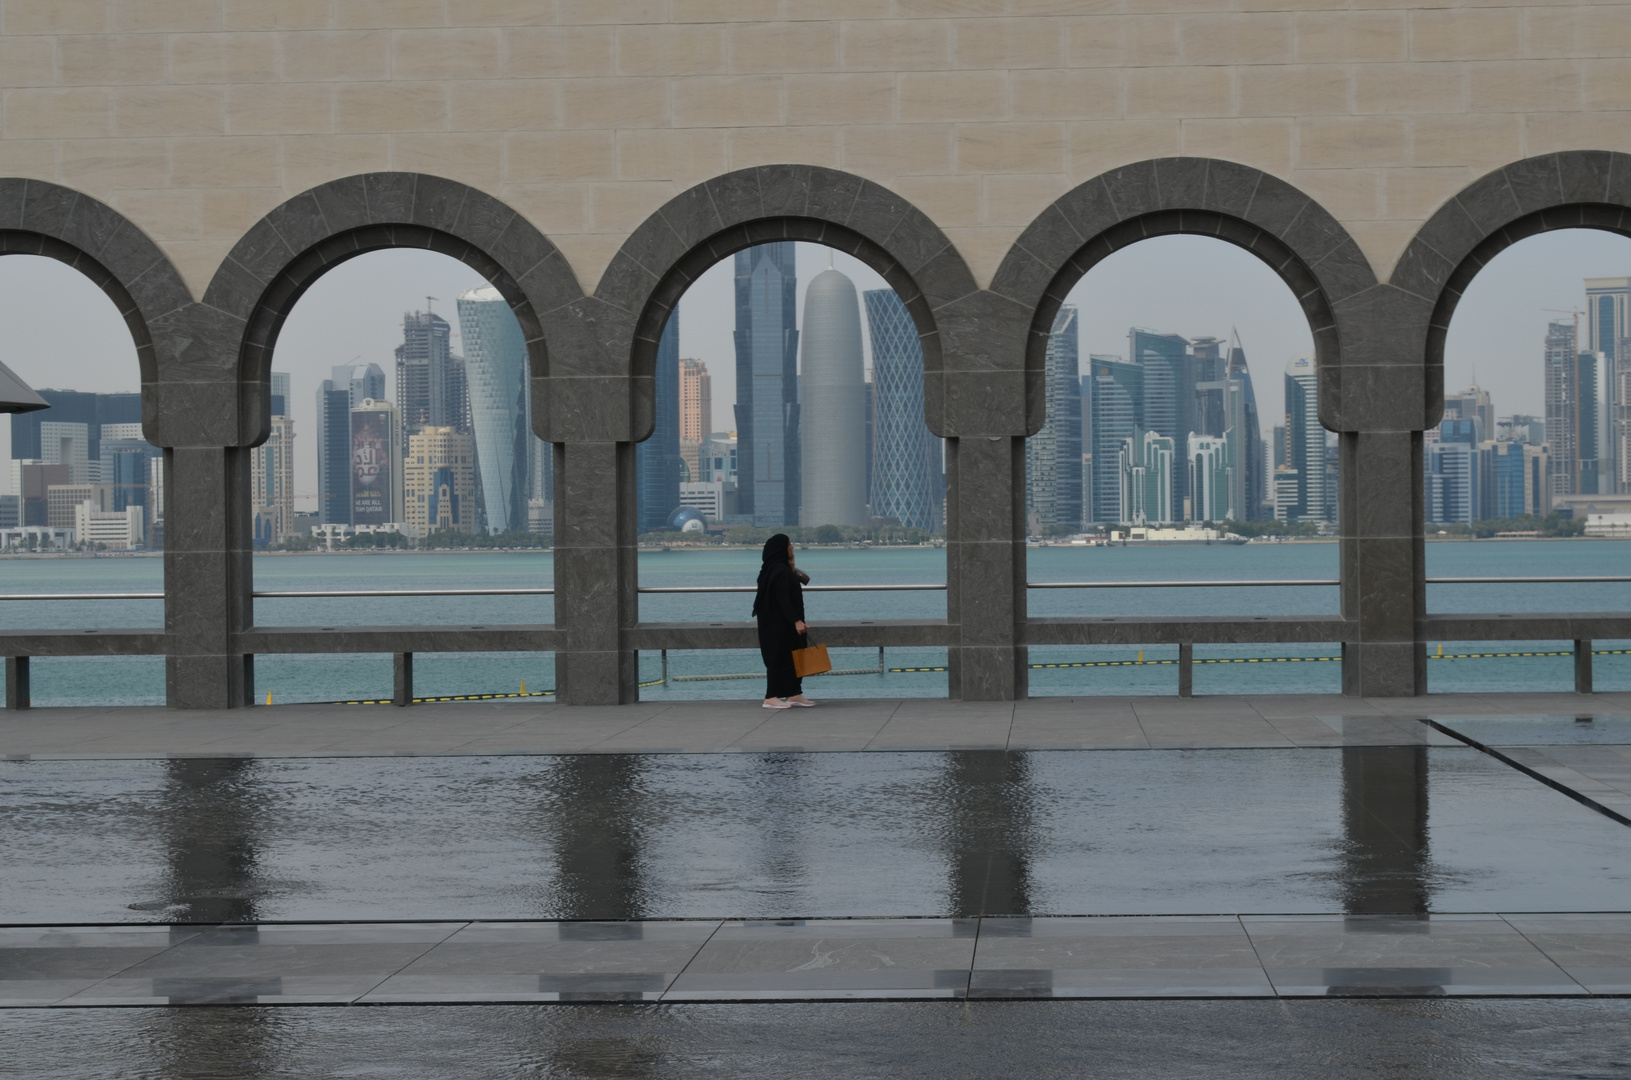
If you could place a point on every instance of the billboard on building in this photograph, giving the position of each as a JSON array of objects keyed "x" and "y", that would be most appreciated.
[{"x": 370, "y": 468}]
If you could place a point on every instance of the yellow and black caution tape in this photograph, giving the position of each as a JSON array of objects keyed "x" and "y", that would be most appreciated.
[{"x": 453, "y": 697}]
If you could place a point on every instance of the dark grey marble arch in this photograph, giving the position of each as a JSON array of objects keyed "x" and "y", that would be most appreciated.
[{"x": 205, "y": 370}]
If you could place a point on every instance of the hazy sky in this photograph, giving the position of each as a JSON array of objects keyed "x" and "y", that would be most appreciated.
[{"x": 62, "y": 332}]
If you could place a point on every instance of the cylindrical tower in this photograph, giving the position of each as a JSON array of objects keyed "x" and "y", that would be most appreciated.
[{"x": 832, "y": 404}]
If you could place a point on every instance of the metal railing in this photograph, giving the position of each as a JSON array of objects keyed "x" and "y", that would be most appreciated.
[{"x": 296, "y": 594}]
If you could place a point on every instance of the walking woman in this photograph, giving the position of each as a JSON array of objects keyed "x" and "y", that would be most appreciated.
[{"x": 779, "y": 607}]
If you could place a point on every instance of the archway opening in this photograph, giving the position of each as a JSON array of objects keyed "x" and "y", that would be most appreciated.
[
  {"x": 1182, "y": 445},
  {"x": 81, "y": 491},
  {"x": 401, "y": 458},
  {"x": 1528, "y": 475},
  {"x": 790, "y": 400}
]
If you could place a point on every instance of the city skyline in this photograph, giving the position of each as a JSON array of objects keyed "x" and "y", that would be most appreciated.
[{"x": 358, "y": 304}]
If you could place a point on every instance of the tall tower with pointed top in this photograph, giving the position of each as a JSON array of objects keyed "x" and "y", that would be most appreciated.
[{"x": 832, "y": 391}]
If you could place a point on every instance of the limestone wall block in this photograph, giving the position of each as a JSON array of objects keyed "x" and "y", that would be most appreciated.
[
  {"x": 897, "y": 45},
  {"x": 779, "y": 47},
  {"x": 309, "y": 160},
  {"x": 947, "y": 200},
  {"x": 747, "y": 147},
  {"x": 100, "y": 166},
  {"x": 283, "y": 15},
  {"x": 1592, "y": 30},
  {"x": 1382, "y": 242},
  {"x": 388, "y": 14},
  {"x": 1010, "y": 147},
  {"x": 1293, "y": 90},
  {"x": 534, "y": 156},
  {"x": 559, "y": 51},
  {"x": 287, "y": 109},
  {"x": 56, "y": 17},
  {"x": 929, "y": 96},
  {"x": 224, "y": 58},
  {"x": 1607, "y": 83},
  {"x": 391, "y": 106},
  {"x": 1095, "y": 146},
  {"x": 890, "y": 151},
  {"x": 1264, "y": 141},
  {"x": 1260, "y": 37},
  {"x": 556, "y": 209},
  {"x": 982, "y": 248},
  {"x": 32, "y": 157},
  {"x": 1065, "y": 94},
  {"x": 1481, "y": 142},
  {"x": 1015, "y": 201},
  {"x": 474, "y": 158},
  {"x": 1466, "y": 33},
  {"x": 1409, "y": 88},
  {"x": 1123, "y": 41},
  {"x": 176, "y": 16},
  {"x": 670, "y": 50},
  {"x": 1350, "y": 194},
  {"x": 611, "y": 12},
  {"x": 337, "y": 55},
  {"x": 728, "y": 101},
  {"x": 1414, "y": 194},
  {"x": 614, "y": 103},
  {"x": 466, "y": 53},
  {"x": 861, "y": 97},
  {"x": 619, "y": 208},
  {"x": 51, "y": 113},
  {"x": 170, "y": 110},
  {"x": 1546, "y": 133},
  {"x": 224, "y": 162},
  {"x": 714, "y": 11},
  {"x": 505, "y": 13},
  {"x": 524, "y": 104},
  {"x": 104, "y": 59},
  {"x": 1349, "y": 36},
  {"x": 1009, "y": 43},
  {"x": 28, "y": 61},
  {"x": 1349, "y": 141},
  {"x": 1186, "y": 92},
  {"x": 1528, "y": 85},
  {"x": 686, "y": 156}
]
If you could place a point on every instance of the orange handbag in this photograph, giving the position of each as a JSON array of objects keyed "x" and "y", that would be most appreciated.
[{"x": 811, "y": 661}]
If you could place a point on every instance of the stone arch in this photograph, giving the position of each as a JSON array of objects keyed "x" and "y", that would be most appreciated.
[
  {"x": 40, "y": 218},
  {"x": 1575, "y": 189},
  {"x": 719, "y": 217},
  {"x": 1297, "y": 237},
  {"x": 277, "y": 260}
]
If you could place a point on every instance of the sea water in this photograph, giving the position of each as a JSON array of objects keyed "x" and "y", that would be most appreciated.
[{"x": 1056, "y": 670}]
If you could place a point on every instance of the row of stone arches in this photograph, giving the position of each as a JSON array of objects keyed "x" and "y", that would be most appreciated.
[{"x": 205, "y": 365}]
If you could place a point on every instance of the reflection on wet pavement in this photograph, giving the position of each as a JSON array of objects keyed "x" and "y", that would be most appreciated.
[{"x": 1356, "y": 829}]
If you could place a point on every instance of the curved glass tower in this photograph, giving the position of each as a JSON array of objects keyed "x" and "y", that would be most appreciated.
[
  {"x": 832, "y": 404},
  {"x": 496, "y": 366},
  {"x": 904, "y": 463}
]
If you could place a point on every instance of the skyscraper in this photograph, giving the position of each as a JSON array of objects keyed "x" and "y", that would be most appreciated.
[
  {"x": 1474, "y": 401},
  {"x": 832, "y": 405},
  {"x": 1053, "y": 456},
  {"x": 767, "y": 401},
  {"x": 1144, "y": 462},
  {"x": 73, "y": 407},
  {"x": 1169, "y": 395},
  {"x": 360, "y": 381},
  {"x": 271, "y": 469},
  {"x": 696, "y": 414},
  {"x": 439, "y": 481},
  {"x": 334, "y": 453},
  {"x": 1608, "y": 326},
  {"x": 1561, "y": 371},
  {"x": 69, "y": 444},
  {"x": 1593, "y": 413},
  {"x": 1305, "y": 444},
  {"x": 1210, "y": 473},
  {"x": 1451, "y": 491},
  {"x": 1118, "y": 403},
  {"x": 1251, "y": 476},
  {"x": 905, "y": 454},
  {"x": 430, "y": 381},
  {"x": 496, "y": 373},
  {"x": 657, "y": 460}
]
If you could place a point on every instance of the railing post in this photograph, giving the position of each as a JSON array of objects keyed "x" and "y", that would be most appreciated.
[
  {"x": 665, "y": 667},
  {"x": 1186, "y": 669},
  {"x": 402, "y": 679},
  {"x": 17, "y": 693},
  {"x": 1582, "y": 666}
]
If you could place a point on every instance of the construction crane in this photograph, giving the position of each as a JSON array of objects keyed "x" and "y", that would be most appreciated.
[{"x": 1576, "y": 312}]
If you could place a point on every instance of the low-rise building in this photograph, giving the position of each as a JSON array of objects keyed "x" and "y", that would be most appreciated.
[
  {"x": 1617, "y": 526},
  {"x": 36, "y": 538},
  {"x": 440, "y": 474},
  {"x": 116, "y": 530},
  {"x": 714, "y": 499},
  {"x": 62, "y": 502}
]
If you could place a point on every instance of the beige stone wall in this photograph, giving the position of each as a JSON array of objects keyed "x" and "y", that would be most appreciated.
[{"x": 195, "y": 117}]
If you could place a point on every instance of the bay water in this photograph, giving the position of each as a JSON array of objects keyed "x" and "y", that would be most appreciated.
[{"x": 1056, "y": 671}]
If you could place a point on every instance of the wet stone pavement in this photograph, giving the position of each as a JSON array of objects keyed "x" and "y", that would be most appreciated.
[{"x": 1364, "y": 859}]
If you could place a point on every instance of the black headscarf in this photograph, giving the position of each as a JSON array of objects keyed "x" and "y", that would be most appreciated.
[{"x": 775, "y": 556}]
